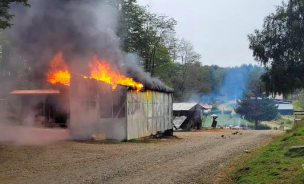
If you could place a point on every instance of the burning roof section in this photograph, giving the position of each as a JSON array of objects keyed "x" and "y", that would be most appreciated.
[{"x": 99, "y": 70}]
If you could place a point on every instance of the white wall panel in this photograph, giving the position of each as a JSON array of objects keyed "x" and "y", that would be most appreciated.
[{"x": 148, "y": 113}]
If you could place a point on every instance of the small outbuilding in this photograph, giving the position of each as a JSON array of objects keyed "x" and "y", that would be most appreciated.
[
  {"x": 285, "y": 109},
  {"x": 92, "y": 108},
  {"x": 192, "y": 112},
  {"x": 122, "y": 114}
]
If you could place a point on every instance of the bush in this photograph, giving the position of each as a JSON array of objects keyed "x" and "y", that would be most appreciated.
[
  {"x": 215, "y": 112},
  {"x": 289, "y": 122},
  {"x": 227, "y": 112},
  {"x": 263, "y": 127},
  {"x": 278, "y": 117},
  {"x": 215, "y": 108},
  {"x": 297, "y": 126}
]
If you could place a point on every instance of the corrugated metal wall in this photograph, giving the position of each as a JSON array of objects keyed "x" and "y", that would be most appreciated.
[
  {"x": 83, "y": 108},
  {"x": 148, "y": 113},
  {"x": 120, "y": 114},
  {"x": 96, "y": 109},
  {"x": 112, "y": 109}
]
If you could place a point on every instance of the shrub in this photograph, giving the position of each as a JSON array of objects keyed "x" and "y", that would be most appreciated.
[
  {"x": 278, "y": 117},
  {"x": 263, "y": 127},
  {"x": 289, "y": 122}
]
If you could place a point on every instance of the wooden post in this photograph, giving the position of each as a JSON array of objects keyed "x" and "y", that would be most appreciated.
[
  {"x": 43, "y": 123},
  {"x": 199, "y": 119},
  {"x": 20, "y": 110}
]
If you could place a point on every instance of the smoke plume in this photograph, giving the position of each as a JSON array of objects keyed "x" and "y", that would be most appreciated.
[
  {"x": 29, "y": 133},
  {"x": 78, "y": 29}
]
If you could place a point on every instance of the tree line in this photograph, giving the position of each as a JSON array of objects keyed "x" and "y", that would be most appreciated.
[
  {"x": 162, "y": 54},
  {"x": 149, "y": 35},
  {"x": 174, "y": 60}
]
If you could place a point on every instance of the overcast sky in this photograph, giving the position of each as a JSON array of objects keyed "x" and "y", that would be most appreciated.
[{"x": 217, "y": 28}]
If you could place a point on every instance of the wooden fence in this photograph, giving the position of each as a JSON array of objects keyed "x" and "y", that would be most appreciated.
[{"x": 298, "y": 115}]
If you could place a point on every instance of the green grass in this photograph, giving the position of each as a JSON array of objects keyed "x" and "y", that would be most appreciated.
[
  {"x": 225, "y": 119},
  {"x": 274, "y": 164},
  {"x": 288, "y": 121},
  {"x": 297, "y": 105}
]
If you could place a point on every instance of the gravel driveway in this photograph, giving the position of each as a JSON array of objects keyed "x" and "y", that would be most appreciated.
[{"x": 193, "y": 155}]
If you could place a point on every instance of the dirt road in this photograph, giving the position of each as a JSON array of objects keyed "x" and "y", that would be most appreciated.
[{"x": 194, "y": 155}]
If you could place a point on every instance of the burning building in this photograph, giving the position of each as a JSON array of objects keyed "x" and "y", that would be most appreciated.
[
  {"x": 72, "y": 46},
  {"x": 124, "y": 113},
  {"x": 105, "y": 102}
]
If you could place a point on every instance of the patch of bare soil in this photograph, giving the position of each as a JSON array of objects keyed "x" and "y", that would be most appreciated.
[{"x": 194, "y": 157}]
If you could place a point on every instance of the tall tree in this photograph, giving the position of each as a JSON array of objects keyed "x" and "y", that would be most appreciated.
[
  {"x": 5, "y": 16},
  {"x": 280, "y": 47},
  {"x": 157, "y": 28},
  {"x": 130, "y": 29},
  {"x": 143, "y": 32},
  {"x": 190, "y": 76},
  {"x": 14, "y": 70},
  {"x": 255, "y": 106}
]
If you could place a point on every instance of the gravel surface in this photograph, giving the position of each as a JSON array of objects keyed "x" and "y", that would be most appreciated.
[{"x": 191, "y": 156}]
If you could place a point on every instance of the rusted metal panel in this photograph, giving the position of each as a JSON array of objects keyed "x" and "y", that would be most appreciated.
[{"x": 35, "y": 92}]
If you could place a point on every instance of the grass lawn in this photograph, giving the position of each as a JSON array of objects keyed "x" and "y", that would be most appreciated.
[
  {"x": 287, "y": 120},
  {"x": 297, "y": 105},
  {"x": 275, "y": 163},
  {"x": 225, "y": 119}
]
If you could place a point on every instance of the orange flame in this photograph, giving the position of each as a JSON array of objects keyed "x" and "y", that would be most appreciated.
[
  {"x": 59, "y": 71},
  {"x": 101, "y": 70}
]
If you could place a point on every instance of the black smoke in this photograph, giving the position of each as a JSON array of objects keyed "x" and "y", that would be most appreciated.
[{"x": 78, "y": 29}]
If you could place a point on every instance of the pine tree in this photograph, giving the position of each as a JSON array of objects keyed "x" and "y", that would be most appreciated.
[{"x": 255, "y": 106}]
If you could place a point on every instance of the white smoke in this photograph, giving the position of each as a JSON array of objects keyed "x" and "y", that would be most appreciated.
[{"x": 28, "y": 133}]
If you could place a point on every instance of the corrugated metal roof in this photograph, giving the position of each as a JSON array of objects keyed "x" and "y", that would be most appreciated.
[
  {"x": 183, "y": 106},
  {"x": 35, "y": 92},
  {"x": 178, "y": 121},
  {"x": 285, "y": 107}
]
